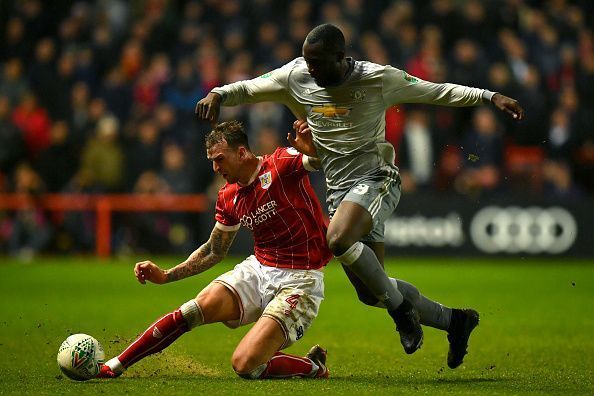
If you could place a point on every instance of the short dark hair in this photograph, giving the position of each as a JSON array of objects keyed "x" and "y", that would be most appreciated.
[
  {"x": 329, "y": 35},
  {"x": 231, "y": 132}
]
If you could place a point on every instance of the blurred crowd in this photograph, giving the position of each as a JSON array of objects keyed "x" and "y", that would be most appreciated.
[{"x": 98, "y": 97}]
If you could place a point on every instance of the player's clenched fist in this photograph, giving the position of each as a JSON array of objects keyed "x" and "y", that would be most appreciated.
[{"x": 149, "y": 271}]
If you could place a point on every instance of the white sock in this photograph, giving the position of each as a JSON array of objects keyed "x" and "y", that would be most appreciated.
[{"x": 115, "y": 365}]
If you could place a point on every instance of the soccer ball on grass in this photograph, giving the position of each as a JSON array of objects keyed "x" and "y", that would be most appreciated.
[{"x": 80, "y": 357}]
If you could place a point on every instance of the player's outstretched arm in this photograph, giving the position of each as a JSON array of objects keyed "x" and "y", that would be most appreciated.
[
  {"x": 205, "y": 257},
  {"x": 508, "y": 105},
  {"x": 209, "y": 107}
]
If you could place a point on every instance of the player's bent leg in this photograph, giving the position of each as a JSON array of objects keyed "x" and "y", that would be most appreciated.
[
  {"x": 263, "y": 340},
  {"x": 431, "y": 313},
  {"x": 350, "y": 223},
  {"x": 257, "y": 356},
  {"x": 215, "y": 303},
  {"x": 218, "y": 303},
  {"x": 363, "y": 293}
]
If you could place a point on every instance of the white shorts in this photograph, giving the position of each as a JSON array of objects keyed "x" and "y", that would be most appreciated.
[{"x": 291, "y": 297}]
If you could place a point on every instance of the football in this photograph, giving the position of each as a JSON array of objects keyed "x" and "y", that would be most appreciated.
[{"x": 80, "y": 357}]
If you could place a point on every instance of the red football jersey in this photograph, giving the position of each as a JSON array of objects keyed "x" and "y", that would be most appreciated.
[{"x": 282, "y": 210}]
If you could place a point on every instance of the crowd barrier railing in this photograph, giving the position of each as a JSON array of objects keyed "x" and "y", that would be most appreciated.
[{"x": 104, "y": 205}]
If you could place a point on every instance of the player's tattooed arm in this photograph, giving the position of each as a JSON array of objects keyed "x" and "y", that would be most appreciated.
[{"x": 205, "y": 257}]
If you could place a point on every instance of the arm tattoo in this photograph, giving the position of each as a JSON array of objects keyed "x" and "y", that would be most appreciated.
[{"x": 205, "y": 257}]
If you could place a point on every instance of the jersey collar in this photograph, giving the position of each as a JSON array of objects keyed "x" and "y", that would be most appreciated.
[{"x": 254, "y": 175}]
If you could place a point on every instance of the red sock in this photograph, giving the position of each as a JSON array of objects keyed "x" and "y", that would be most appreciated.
[
  {"x": 157, "y": 337},
  {"x": 282, "y": 365}
]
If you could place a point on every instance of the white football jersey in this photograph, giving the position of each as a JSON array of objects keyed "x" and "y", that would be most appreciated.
[{"x": 348, "y": 120}]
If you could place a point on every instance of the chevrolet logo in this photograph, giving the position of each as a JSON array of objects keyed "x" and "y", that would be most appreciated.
[{"x": 331, "y": 110}]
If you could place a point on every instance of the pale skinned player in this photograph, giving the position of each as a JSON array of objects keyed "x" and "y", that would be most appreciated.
[
  {"x": 279, "y": 288},
  {"x": 343, "y": 101}
]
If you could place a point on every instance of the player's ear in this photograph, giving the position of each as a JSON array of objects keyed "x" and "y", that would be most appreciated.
[{"x": 339, "y": 56}]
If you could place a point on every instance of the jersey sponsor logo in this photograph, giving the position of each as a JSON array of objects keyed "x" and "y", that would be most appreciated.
[
  {"x": 409, "y": 78},
  {"x": 266, "y": 180},
  {"x": 260, "y": 215},
  {"x": 330, "y": 110},
  {"x": 292, "y": 151},
  {"x": 531, "y": 230}
]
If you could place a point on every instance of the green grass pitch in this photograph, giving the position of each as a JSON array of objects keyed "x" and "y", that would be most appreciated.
[{"x": 536, "y": 333}]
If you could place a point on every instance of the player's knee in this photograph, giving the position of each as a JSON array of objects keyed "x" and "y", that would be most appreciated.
[
  {"x": 339, "y": 242},
  {"x": 245, "y": 364}
]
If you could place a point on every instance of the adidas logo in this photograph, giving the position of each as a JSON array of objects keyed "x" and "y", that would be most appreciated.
[{"x": 157, "y": 333}]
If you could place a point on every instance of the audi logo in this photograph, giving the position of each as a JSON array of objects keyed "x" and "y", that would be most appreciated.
[{"x": 530, "y": 230}]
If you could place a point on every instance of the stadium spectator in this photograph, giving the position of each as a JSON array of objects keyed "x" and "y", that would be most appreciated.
[
  {"x": 79, "y": 115},
  {"x": 34, "y": 124},
  {"x": 561, "y": 137},
  {"x": 30, "y": 229},
  {"x": 344, "y": 102},
  {"x": 57, "y": 163},
  {"x": 179, "y": 179},
  {"x": 12, "y": 145},
  {"x": 482, "y": 155},
  {"x": 103, "y": 156},
  {"x": 282, "y": 303},
  {"x": 145, "y": 232},
  {"x": 13, "y": 83},
  {"x": 143, "y": 152},
  {"x": 15, "y": 44},
  {"x": 117, "y": 93},
  {"x": 558, "y": 182},
  {"x": 176, "y": 174},
  {"x": 418, "y": 152}
]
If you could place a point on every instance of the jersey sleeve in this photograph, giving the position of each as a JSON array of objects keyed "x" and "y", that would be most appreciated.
[
  {"x": 290, "y": 161},
  {"x": 223, "y": 214},
  {"x": 401, "y": 87},
  {"x": 272, "y": 86}
]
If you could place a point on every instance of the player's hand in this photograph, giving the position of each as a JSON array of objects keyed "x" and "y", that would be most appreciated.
[
  {"x": 303, "y": 140},
  {"x": 209, "y": 107},
  {"x": 509, "y": 105},
  {"x": 149, "y": 271}
]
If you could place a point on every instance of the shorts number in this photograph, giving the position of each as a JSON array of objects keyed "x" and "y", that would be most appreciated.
[{"x": 292, "y": 301}]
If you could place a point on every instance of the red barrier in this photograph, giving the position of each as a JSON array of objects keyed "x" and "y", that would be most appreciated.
[{"x": 104, "y": 205}]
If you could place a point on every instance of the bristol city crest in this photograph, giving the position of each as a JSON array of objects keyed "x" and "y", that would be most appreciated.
[{"x": 266, "y": 180}]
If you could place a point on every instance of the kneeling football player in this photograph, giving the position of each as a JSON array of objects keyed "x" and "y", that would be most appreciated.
[{"x": 280, "y": 287}]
